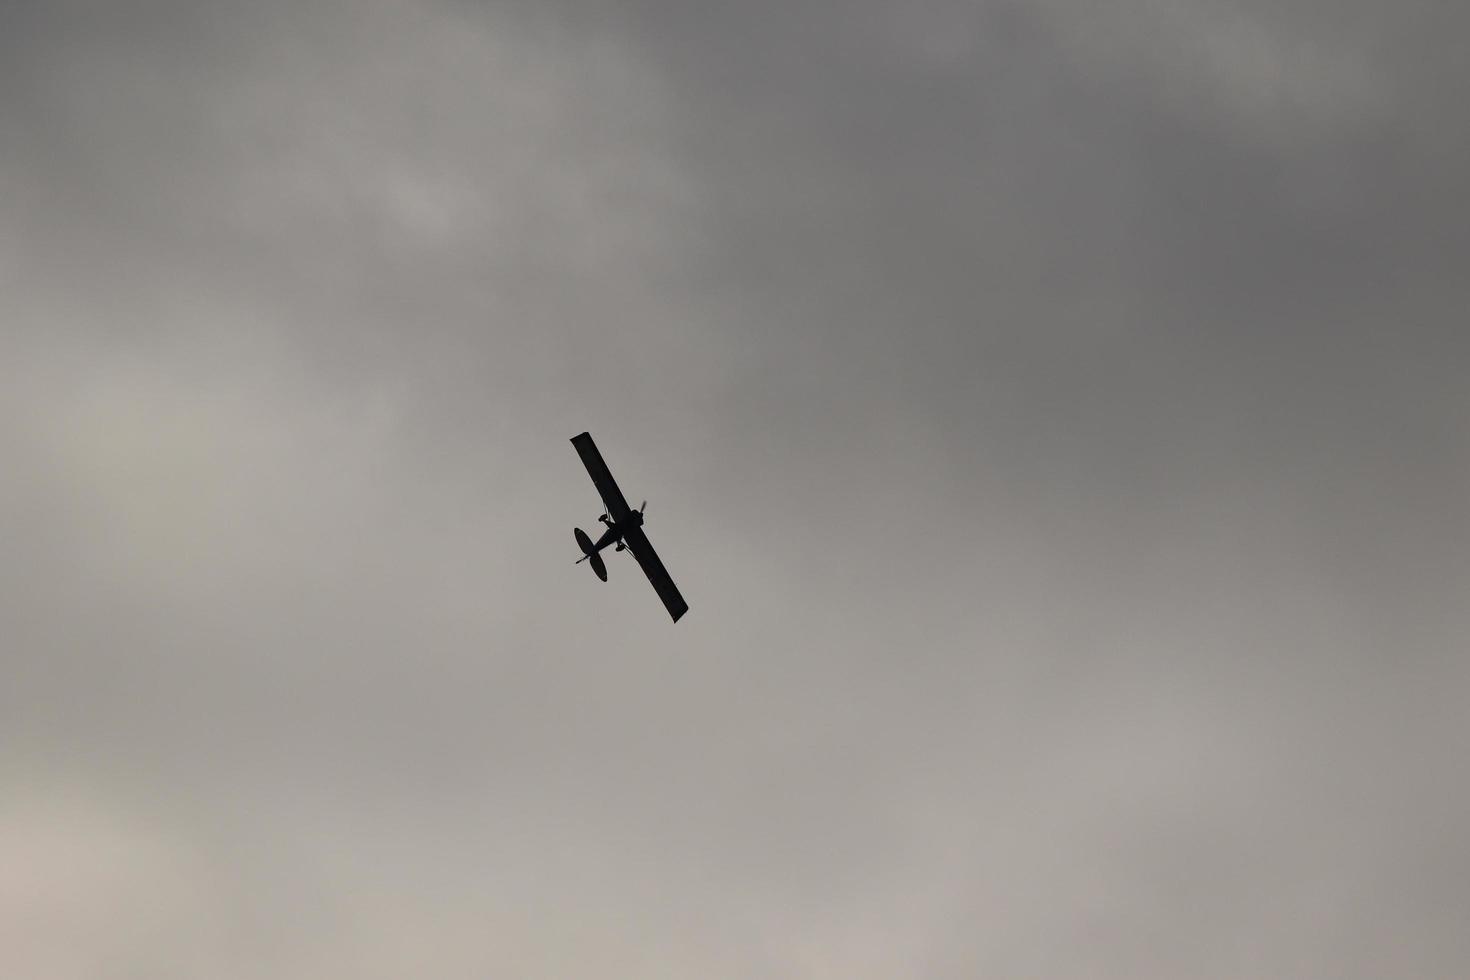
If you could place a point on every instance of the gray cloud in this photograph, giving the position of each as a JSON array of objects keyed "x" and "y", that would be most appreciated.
[{"x": 1054, "y": 416}]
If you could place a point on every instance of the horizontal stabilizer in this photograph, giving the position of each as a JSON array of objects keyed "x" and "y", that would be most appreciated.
[{"x": 589, "y": 554}]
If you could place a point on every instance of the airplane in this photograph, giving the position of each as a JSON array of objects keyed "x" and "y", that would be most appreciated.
[{"x": 624, "y": 528}]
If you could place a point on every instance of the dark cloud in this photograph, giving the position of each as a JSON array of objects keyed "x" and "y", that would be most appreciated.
[{"x": 1054, "y": 416}]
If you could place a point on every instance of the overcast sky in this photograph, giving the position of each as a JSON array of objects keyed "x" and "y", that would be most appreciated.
[{"x": 1054, "y": 413}]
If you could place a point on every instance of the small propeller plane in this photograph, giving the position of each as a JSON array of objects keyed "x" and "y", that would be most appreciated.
[{"x": 624, "y": 528}]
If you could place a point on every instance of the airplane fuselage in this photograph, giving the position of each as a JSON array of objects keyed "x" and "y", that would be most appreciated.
[{"x": 616, "y": 529}]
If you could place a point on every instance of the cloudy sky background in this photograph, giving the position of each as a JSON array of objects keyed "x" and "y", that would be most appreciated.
[{"x": 1055, "y": 414}]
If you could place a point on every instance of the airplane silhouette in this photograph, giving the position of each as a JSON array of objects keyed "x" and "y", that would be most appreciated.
[{"x": 624, "y": 528}]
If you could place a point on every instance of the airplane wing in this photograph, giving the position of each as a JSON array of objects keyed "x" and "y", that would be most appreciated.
[
  {"x": 637, "y": 543},
  {"x": 612, "y": 497}
]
